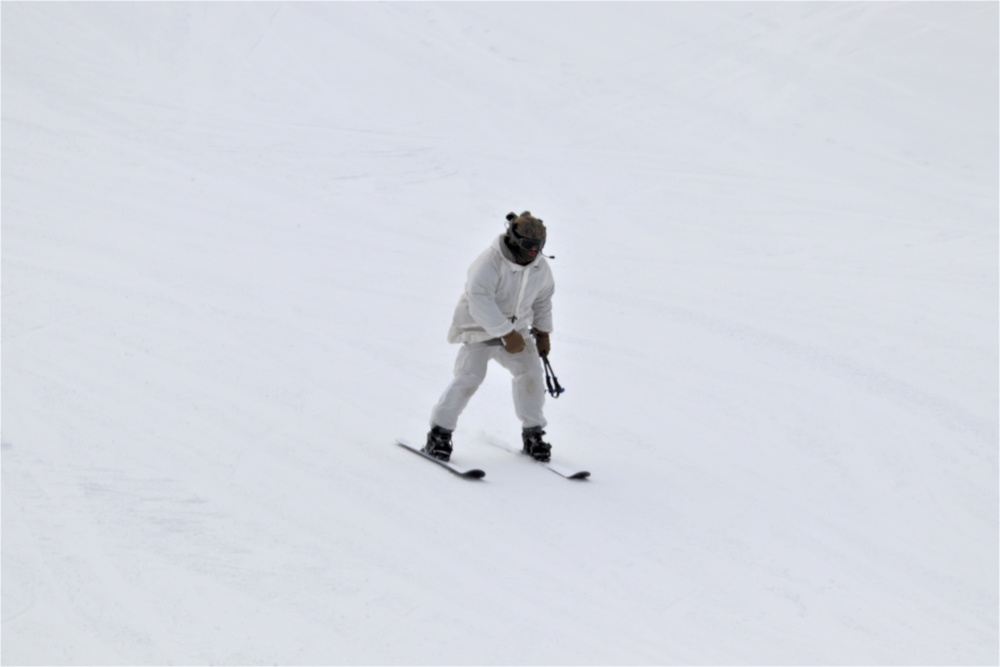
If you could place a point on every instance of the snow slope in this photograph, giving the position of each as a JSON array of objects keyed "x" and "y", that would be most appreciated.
[{"x": 232, "y": 238}]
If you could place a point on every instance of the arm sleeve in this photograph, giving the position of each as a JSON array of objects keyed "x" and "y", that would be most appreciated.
[
  {"x": 481, "y": 291},
  {"x": 542, "y": 307}
]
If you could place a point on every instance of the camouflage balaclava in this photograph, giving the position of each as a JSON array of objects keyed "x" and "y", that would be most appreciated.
[{"x": 525, "y": 236}]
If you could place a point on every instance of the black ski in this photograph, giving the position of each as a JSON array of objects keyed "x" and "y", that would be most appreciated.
[
  {"x": 557, "y": 468},
  {"x": 467, "y": 473}
]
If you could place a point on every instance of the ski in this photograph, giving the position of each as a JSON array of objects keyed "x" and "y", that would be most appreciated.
[
  {"x": 467, "y": 473},
  {"x": 557, "y": 468}
]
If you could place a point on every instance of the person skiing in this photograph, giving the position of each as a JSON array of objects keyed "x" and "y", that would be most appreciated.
[{"x": 504, "y": 314}]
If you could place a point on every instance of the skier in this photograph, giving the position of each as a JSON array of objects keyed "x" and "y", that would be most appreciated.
[{"x": 505, "y": 314}]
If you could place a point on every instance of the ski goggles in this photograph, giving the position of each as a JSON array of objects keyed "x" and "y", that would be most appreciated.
[{"x": 528, "y": 244}]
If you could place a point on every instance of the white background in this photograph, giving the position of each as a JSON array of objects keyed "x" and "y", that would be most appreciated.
[{"x": 233, "y": 236}]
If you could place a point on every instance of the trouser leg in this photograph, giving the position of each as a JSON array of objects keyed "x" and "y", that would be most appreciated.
[
  {"x": 527, "y": 384},
  {"x": 470, "y": 370}
]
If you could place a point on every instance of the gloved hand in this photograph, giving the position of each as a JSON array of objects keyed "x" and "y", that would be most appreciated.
[
  {"x": 542, "y": 342},
  {"x": 513, "y": 342}
]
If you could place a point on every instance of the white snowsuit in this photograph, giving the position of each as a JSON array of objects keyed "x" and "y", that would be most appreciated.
[{"x": 500, "y": 296}]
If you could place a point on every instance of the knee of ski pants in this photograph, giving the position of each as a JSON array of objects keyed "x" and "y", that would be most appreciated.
[{"x": 470, "y": 365}]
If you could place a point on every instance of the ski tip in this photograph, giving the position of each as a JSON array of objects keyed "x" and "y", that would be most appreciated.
[{"x": 470, "y": 473}]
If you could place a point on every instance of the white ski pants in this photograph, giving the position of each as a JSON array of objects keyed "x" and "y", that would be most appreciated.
[{"x": 528, "y": 383}]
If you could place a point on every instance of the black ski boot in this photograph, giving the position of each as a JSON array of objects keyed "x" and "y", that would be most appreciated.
[
  {"x": 438, "y": 443},
  {"x": 534, "y": 446}
]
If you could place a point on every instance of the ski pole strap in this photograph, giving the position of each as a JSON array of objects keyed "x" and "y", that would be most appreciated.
[{"x": 551, "y": 381}]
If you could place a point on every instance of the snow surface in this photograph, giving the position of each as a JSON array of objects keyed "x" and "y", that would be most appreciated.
[{"x": 233, "y": 237}]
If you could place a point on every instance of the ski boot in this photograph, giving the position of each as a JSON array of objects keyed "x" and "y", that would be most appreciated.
[
  {"x": 438, "y": 443},
  {"x": 534, "y": 446}
]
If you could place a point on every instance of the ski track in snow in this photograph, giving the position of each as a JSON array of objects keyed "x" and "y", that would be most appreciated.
[{"x": 233, "y": 236}]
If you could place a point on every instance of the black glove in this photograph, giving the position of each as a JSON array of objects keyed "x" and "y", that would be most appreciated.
[
  {"x": 513, "y": 342},
  {"x": 542, "y": 342}
]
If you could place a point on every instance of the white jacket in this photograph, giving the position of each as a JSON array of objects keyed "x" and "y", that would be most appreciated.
[{"x": 501, "y": 296}]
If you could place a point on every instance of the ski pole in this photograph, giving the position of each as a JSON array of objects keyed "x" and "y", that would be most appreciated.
[{"x": 551, "y": 381}]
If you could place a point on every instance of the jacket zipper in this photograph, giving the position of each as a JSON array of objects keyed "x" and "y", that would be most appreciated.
[{"x": 520, "y": 294}]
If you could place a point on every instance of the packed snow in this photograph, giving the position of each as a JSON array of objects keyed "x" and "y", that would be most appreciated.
[{"x": 233, "y": 235}]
